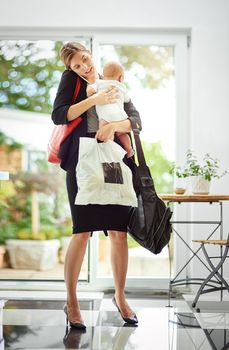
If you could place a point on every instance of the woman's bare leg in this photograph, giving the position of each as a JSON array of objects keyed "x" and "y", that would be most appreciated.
[
  {"x": 119, "y": 263},
  {"x": 72, "y": 266}
]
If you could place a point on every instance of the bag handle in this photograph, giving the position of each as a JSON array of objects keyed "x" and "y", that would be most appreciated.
[{"x": 139, "y": 149}]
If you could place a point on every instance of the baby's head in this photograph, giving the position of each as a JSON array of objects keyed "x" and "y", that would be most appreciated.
[{"x": 113, "y": 71}]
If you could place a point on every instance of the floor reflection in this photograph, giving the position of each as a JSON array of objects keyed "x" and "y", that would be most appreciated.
[
  {"x": 218, "y": 338},
  {"x": 159, "y": 328},
  {"x": 77, "y": 339}
]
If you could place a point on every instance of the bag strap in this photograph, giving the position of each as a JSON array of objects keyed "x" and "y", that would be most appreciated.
[
  {"x": 144, "y": 172},
  {"x": 77, "y": 89},
  {"x": 139, "y": 149}
]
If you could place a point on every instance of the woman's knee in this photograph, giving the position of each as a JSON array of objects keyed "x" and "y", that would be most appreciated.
[
  {"x": 81, "y": 237},
  {"x": 118, "y": 237}
]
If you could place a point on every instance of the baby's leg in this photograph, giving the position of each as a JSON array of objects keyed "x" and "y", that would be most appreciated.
[{"x": 125, "y": 141}]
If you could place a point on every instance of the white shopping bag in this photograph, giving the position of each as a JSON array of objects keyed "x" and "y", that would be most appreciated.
[{"x": 102, "y": 176}]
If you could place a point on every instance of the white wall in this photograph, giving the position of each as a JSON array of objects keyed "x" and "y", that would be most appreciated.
[
  {"x": 163, "y": 13},
  {"x": 29, "y": 128},
  {"x": 208, "y": 21},
  {"x": 209, "y": 52}
]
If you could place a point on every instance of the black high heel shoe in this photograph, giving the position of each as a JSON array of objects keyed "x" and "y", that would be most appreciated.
[
  {"x": 76, "y": 325},
  {"x": 131, "y": 320}
]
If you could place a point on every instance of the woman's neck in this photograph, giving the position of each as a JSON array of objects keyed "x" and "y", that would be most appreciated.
[{"x": 93, "y": 78}]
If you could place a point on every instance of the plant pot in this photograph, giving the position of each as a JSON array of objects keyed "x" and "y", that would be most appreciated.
[
  {"x": 33, "y": 254},
  {"x": 2, "y": 253},
  {"x": 200, "y": 185},
  {"x": 180, "y": 186},
  {"x": 180, "y": 190}
]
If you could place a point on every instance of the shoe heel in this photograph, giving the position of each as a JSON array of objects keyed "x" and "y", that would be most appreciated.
[
  {"x": 66, "y": 313},
  {"x": 130, "y": 320},
  {"x": 76, "y": 325}
]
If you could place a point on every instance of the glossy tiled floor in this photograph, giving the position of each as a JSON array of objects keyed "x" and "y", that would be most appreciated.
[{"x": 35, "y": 324}]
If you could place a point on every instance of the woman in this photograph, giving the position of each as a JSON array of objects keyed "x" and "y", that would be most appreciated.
[{"x": 89, "y": 218}]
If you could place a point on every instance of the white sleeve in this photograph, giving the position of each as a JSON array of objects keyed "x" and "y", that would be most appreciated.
[{"x": 126, "y": 97}]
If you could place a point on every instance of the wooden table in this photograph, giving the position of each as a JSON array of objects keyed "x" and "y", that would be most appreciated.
[
  {"x": 210, "y": 198},
  {"x": 191, "y": 198}
]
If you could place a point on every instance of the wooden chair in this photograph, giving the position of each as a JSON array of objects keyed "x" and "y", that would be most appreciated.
[{"x": 219, "y": 282}]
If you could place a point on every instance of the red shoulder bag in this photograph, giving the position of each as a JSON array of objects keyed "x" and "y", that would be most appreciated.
[{"x": 62, "y": 131}]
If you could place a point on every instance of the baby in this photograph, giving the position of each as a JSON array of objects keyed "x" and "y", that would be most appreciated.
[{"x": 113, "y": 74}]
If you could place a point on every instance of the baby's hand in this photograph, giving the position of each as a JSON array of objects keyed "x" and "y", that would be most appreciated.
[{"x": 90, "y": 91}]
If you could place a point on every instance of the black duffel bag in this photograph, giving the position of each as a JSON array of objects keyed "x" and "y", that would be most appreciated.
[{"x": 149, "y": 223}]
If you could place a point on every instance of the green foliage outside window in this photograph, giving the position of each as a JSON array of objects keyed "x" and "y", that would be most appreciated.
[
  {"x": 30, "y": 74},
  {"x": 152, "y": 65},
  {"x": 30, "y": 71},
  {"x": 159, "y": 167}
]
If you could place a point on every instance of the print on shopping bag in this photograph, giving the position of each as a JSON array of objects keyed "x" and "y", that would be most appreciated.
[{"x": 112, "y": 173}]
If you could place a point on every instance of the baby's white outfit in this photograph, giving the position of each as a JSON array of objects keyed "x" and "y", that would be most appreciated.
[{"x": 112, "y": 112}]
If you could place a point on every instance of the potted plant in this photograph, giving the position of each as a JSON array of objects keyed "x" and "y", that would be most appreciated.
[{"x": 201, "y": 173}]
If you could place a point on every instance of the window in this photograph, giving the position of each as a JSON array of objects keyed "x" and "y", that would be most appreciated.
[{"x": 163, "y": 108}]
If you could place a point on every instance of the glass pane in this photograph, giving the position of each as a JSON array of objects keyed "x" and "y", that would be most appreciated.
[
  {"x": 150, "y": 79},
  {"x": 34, "y": 209}
]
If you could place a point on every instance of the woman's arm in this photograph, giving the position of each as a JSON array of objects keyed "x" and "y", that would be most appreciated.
[
  {"x": 64, "y": 96},
  {"x": 107, "y": 131},
  {"x": 63, "y": 109},
  {"x": 99, "y": 98},
  {"x": 133, "y": 114},
  {"x": 124, "y": 126},
  {"x": 79, "y": 108}
]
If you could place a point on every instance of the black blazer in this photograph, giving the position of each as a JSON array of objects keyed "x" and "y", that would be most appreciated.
[{"x": 69, "y": 148}]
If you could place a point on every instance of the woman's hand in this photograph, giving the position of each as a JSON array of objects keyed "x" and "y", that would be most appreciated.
[
  {"x": 107, "y": 96},
  {"x": 106, "y": 132},
  {"x": 90, "y": 91},
  {"x": 110, "y": 95}
]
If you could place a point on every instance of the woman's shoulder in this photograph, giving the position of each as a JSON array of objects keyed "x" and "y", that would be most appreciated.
[
  {"x": 68, "y": 79},
  {"x": 68, "y": 75}
]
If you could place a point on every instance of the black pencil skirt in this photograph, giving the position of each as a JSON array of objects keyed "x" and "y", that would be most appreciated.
[{"x": 93, "y": 217}]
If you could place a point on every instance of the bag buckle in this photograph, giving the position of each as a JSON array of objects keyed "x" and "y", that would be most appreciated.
[
  {"x": 146, "y": 181},
  {"x": 136, "y": 131}
]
